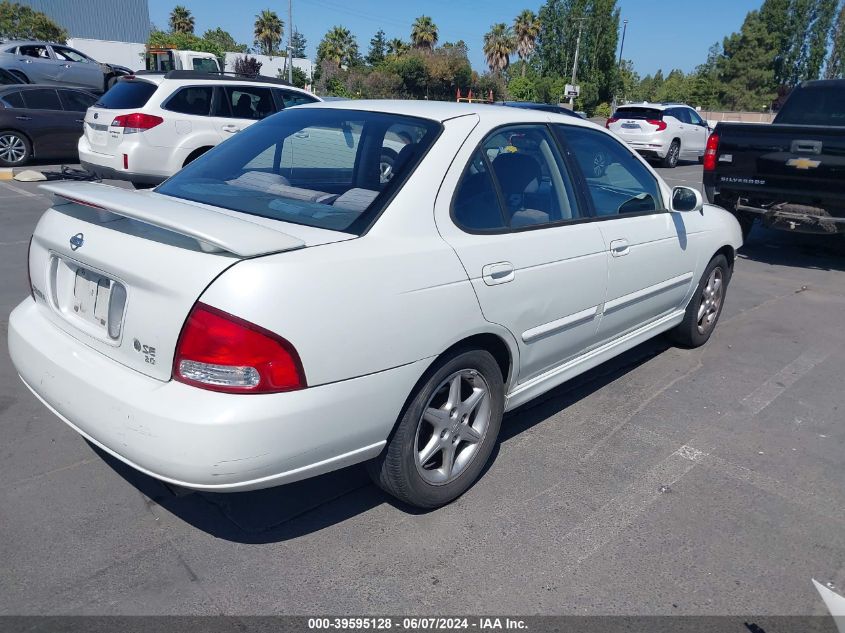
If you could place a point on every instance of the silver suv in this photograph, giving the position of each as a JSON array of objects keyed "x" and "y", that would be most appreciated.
[{"x": 666, "y": 131}]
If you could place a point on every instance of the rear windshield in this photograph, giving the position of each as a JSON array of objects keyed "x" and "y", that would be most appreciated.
[
  {"x": 333, "y": 169},
  {"x": 817, "y": 105},
  {"x": 650, "y": 114},
  {"x": 127, "y": 93}
]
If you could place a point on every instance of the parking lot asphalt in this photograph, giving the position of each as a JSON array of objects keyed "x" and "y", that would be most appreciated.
[{"x": 668, "y": 481}]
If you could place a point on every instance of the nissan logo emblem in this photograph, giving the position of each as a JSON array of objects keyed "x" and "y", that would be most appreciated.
[{"x": 77, "y": 241}]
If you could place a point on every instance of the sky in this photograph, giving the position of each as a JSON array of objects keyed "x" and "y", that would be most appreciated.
[{"x": 660, "y": 35}]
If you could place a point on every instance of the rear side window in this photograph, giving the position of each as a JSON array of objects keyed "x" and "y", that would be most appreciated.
[
  {"x": 34, "y": 50},
  {"x": 195, "y": 100},
  {"x": 76, "y": 101},
  {"x": 42, "y": 99},
  {"x": 476, "y": 205},
  {"x": 618, "y": 182},
  {"x": 639, "y": 113},
  {"x": 126, "y": 94},
  {"x": 816, "y": 105},
  {"x": 13, "y": 100},
  {"x": 318, "y": 167},
  {"x": 246, "y": 102}
]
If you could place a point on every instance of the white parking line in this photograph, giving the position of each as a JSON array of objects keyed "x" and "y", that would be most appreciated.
[{"x": 766, "y": 393}]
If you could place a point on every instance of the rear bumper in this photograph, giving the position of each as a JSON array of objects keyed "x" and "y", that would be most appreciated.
[
  {"x": 108, "y": 166},
  {"x": 649, "y": 147},
  {"x": 201, "y": 439}
]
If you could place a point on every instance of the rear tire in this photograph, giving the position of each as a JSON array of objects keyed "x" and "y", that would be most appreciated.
[
  {"x": 705, "y": 307},
  {"x": 15, "y": 149},
  {"x": 446, "y": 433},
  {"x": 670, "y": 161}
]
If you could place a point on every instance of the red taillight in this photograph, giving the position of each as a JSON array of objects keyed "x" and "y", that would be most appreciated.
[
  {"x": 610, "y": 120},
  {"x": 136, "y": 122},
  {"x": 220, "y": 352},
  {"x": 661, "y": 125},
  {"x": 710, "y": 152}
]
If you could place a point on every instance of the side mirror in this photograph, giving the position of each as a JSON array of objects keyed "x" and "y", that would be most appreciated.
[{"x": 686, "y": 199}]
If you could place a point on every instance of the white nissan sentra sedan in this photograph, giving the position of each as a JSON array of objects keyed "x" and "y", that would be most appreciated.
[{"x": 279, "y": 308}]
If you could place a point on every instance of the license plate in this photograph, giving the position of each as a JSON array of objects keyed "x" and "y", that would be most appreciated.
[
  {"x": 99, "y": 137},
  {"x": 631, "y": 126},
  {"x": 95, "y": 298}
]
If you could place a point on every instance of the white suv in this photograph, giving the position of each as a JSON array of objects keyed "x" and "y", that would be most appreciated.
[
  {"x": 667, "y": 131},
  {"x": 150, "y": 125}
]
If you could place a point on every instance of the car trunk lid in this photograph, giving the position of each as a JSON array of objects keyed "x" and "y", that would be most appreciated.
[{"x": 120, "y": 270}]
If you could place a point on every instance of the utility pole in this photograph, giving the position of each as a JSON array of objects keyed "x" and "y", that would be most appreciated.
[
  {"x": 621, "y": 48},
  {"x": 575, "y": 65},
  {"x": 290, "y": 41}
]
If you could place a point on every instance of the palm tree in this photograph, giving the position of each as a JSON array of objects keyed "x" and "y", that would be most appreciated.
[
  {"x": 498, "y": 45},
  {"x": 424, "y": 33},
  {"x": 268, "y": 31},
  {"x": 396, "y": 47},
  {"x": 339, "y": 46},
  {"x": 526, "y": 28},
  {"x": 181, "y": 20}
]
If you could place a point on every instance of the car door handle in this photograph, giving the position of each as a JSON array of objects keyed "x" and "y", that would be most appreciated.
[
  {"x": 498, "y": 273},
  {"x": 231, "y": 128},
  {"x": 618, "y": 248},
  {"x": 24, "y": 118}
]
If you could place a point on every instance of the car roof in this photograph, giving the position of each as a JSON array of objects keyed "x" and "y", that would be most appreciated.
[
  {"x": 654, "y": 106},
  {"x": 190, "y": 78},
  {"x": 444, "y": 110},
  {"x": 30, "y": 43}
]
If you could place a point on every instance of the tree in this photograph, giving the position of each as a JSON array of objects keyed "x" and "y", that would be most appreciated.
[
  {"x": 181, "y": 20},
  {"x": 835, "y": 66},
  {"x": 746, "y": 66},
  {"x": 526, "y": 28},
  {"x": 248, "y": 66},
  {"x": 268, "y": 30},
  {"x": 378, "y": 49},
  {"x": 339, "y": 46},
  {"x": 224, "y": 40},
  {"x": 397, "y": 47},
  {"x": 819, "y": 37},
  {"x": 499, "y": 43},
  {"x": 298, "y": 44},
  {"x": 19, "y": 22},
  {"x": 424, "y": 33}
]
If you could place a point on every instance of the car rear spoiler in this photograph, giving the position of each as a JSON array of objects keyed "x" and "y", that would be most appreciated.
[{"x": 213, "y": 230}]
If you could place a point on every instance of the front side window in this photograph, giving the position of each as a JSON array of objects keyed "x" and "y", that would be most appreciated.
[
  {"x": 531, "y": 179},
  {"x": 69, "y": 55},
  {"x": 42, "y": 99},
  {"x": 617, "y": 181},
  {"x": 246, "y": 102},
  {"x": 76, "y": 101},
  {"x": 195, "y": 100},
  {"x": 13, "y": 100},
  {"x": 314, "y": 166},
  {"x": 290, "y": 98},
  {"x": 695, "y": 118}
]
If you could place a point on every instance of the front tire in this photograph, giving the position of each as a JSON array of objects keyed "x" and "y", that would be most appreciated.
[
  {"x": 705, "y": 307},
  {"x": 15, "y": 149},
  {"x": 670, "y": 161},
  {"x": 446, "y": 433}
]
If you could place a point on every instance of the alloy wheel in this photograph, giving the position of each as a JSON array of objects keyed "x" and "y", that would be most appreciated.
[
  {"x": 12, "y": 148},
  {"x": 452, "y": 427},
  {"x": 711, "y": 301}
]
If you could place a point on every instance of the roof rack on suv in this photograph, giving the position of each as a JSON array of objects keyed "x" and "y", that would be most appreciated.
[{"x": 224, "y": 76}]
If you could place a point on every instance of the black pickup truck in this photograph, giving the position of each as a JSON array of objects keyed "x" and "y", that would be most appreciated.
[{"x": 789, "y": 174}]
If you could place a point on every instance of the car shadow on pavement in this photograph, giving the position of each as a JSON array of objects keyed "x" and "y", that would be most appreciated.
[
  {"x": 286, "y": 512},
  {"x": 799, "y": 250}
]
